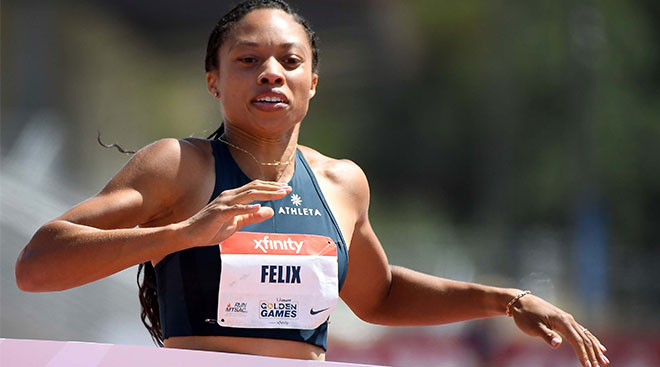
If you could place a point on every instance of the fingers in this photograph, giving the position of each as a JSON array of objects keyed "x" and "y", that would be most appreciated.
[
  {"x": 537, "y": 317},
  {"x": 231, "y": 211},
  {"x": 255, "y": 191},
  {"x": 258, "y": 185},
  {"x": 240, "y": 209},
  {"x": 551, "y": 337},
  {"x": 600, "y": 345},
  {"x": 261, "y": 214},
  {"x": 586, "y": 346},
  {"x": 249, "y": 196},
  {"x": 598, "y": 348},
  {"x": 577, "y": 341}
]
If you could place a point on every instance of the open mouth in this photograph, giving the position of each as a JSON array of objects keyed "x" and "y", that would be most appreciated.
[{"x": 271, "y": 101}]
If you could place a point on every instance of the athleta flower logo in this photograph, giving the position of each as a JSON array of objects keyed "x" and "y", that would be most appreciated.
[{"x": 296, "y": 200}]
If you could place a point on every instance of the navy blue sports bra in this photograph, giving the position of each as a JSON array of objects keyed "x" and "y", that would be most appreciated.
[{"x": 188, "y": 281}]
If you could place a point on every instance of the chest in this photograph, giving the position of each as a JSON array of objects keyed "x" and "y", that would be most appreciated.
[
  {"x": 300, "y": 208},
  {"x": 315, "y": 200}
]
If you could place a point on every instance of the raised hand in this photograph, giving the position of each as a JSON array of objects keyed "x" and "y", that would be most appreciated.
[
  {"x": 231, "y": 211},
  {"x": 536, "y": 317}
]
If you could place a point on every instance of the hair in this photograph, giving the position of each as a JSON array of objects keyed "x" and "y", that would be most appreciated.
[
  {"x": 150, "y": 313},
  {"x": 227, "y": 23}
]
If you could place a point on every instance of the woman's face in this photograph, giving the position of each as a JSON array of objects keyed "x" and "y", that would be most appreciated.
[{"x": 264, "y": 77}]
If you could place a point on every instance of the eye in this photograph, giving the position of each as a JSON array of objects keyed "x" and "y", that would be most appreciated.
[
  {"x": 248, "y": 60},
  {"x": 292, "y": 61}
]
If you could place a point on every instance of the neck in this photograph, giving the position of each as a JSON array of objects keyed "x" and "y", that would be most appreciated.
[{"x": 258, "y": 156}]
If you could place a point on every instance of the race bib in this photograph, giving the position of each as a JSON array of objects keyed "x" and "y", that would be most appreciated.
[{"x": 274, "y": 280}]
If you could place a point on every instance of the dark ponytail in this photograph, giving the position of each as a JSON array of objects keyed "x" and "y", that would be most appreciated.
[
  {"x": 217, "y": 133},
  {"x": 147, "y": 291},
  {"x": 150, "y": 314}
]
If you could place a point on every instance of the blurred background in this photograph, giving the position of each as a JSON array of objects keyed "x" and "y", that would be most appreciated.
[{"x": 512, "y": 143}]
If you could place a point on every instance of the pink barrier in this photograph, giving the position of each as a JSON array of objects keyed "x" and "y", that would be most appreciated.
[
  {"x": 38, "y": 353},
  {"x": 416, "y": 349}
]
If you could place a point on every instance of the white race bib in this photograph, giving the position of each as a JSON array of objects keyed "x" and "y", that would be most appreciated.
[{"x": 275, "y": 280}]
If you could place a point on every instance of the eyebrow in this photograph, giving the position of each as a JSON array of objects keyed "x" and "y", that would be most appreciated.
[{"x": 251, "y": 44}]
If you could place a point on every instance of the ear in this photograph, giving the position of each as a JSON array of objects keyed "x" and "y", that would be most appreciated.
[
  {"x": 212, "y": 79},
  {"x": 312, "y": 89}
]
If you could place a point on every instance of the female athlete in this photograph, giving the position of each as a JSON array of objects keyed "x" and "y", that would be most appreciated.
[{"x": 292, "y": 224}]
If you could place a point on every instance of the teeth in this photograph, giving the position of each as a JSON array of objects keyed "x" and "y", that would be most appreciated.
[{"x": 270, "y": 99}]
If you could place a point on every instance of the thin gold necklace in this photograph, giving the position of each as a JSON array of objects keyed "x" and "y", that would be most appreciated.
[{"x": 274, "y": 163}]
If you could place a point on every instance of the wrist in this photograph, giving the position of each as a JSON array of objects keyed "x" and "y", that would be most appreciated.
[
  {"x": 178, "y": 234},
  {"x": 514, "y": 300},
  {"x": 503, "y": 298}
]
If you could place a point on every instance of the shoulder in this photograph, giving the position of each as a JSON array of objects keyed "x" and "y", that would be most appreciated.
[
  {"x": 173, "y": 150},
  {"x": 168, "y": 156},
  {"x": 339, "y": 171},
  {"x": 165, "y": 168},
  {"x": 342, "y": 174}
]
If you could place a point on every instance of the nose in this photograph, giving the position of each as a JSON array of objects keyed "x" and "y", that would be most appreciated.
[{"x": 272, "y": 72}]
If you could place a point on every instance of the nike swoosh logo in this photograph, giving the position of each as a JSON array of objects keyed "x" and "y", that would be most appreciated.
[{"x": 314, "y": 312}]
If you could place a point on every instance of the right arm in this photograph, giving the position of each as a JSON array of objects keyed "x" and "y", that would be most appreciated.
[{"x": 100, "y": 237}]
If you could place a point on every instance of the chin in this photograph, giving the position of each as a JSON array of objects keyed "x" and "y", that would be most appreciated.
[{"x": 270, "y": 126}]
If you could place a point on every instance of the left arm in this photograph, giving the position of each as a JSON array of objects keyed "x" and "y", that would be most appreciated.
[
  {"x": 384, "y": 294},
  {"x": 392, "y": 295}
]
